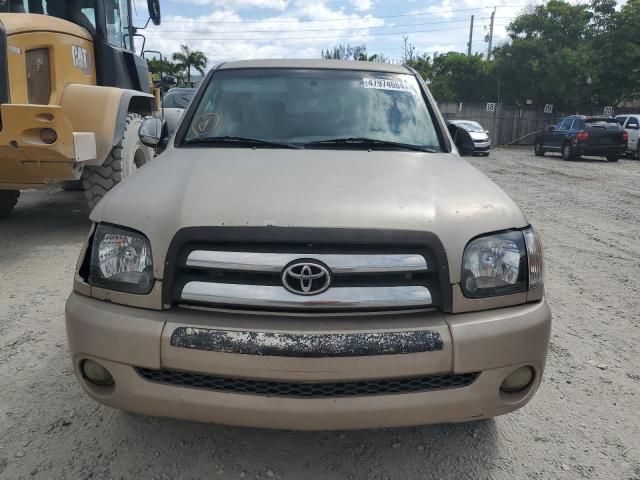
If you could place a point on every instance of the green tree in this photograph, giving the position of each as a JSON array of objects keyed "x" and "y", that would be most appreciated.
[
  {"x": 573, "y": 56},
  {"x": 166, "y": 66},
  {"x": 346, "y": 52},
  {"x": 460, "y": 78},
  {"x": 616, "y": 61},
  {"x": 349, "y": 52},
  {"x": 188, "y": 59}
]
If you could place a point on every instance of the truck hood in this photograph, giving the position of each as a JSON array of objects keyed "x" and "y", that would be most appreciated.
[
  {"x": 479, "y": 136},
  {"x": 15, "y": 23},
  {"x": 431, "y": 192}
]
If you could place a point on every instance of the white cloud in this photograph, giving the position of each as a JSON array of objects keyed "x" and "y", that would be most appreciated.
[
  {"x": 228, "y": 32},
  {"x": 362, "y": 5},
  {"x": 225, "y": 35},
  {"x": 443, "y": 9},
  {"x": 280, "y": 5}
]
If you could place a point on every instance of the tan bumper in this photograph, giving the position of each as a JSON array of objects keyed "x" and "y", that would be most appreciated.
[
  {"x": 493, "y": 343},
  {"x": 26, "y": 161}
]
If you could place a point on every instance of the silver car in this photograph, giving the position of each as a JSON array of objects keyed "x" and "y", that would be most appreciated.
[{"x": 480, "y": 136}]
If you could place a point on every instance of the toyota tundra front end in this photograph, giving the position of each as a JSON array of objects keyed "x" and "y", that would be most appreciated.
[{"x": 310, "y": 252}]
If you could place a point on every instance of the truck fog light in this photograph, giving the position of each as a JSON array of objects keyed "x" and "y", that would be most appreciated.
[
  {"x": 517, "y": 380},
  {"x": 48, "y": 136},
  {"x": 96, "y": 373}
]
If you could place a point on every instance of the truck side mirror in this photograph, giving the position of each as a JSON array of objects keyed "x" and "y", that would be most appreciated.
[
  {"x": 462, "y": 139},
  {"x": 150, "y": 132},
  {"x": 154, "y": 11}
]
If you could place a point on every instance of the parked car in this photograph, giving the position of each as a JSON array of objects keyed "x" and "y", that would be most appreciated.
[
  {"x": 174, "y": 103},
  {"x": 578, "y": 135},
  {"x": 631, "y": 125},
  {"x": 480, "y": 136},
  {"x": 310, "y": 252}
]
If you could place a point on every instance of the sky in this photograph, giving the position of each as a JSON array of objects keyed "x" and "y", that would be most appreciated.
[{"x": 245, "y": 29}]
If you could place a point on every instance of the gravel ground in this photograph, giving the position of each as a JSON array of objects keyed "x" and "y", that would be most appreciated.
[{"x": 583, "y": 423}]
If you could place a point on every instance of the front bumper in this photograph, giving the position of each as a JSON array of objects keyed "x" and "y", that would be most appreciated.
[
  {"x": 26, "y": 161},
  {"x": 125, "y": 340},
  {"x": 481, "y": 147}
]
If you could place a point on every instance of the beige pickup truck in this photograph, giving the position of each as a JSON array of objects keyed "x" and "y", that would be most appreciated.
[{"x": 310, "y": 252}]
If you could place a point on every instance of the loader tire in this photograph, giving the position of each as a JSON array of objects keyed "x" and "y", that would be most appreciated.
[
  {"x": 125, "y": 158},
  {"x": 8, "y": 200}
]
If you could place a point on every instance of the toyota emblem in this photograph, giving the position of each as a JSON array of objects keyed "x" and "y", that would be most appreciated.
[{"x": 306, "y": 278}]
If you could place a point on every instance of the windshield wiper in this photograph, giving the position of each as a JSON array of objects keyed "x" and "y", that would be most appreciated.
[
  {"x": 241, "y": 141},
  {"x": 370, "y": 142}
]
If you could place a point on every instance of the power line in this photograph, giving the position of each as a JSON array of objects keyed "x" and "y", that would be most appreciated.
[
  {"x": 307, "y": 38},
  {"x": 319, "y": 29},
  {"x": 348, "y": 19},
  {"x": 270, "y": 38}
]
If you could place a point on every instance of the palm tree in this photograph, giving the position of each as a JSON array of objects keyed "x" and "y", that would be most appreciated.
[{"x": 188, "y": 59}]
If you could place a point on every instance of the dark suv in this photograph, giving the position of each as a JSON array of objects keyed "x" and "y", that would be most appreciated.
[{"x": 579, "y": 135}]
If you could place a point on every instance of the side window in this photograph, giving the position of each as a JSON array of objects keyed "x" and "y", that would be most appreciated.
[
  {"x": 90, "y": 14},
  {"x": 632, "y": 121},
  {"x": 559, "y": 124},
  {"x": 621, "y": 120},
  {"x": 117, "y": 13},
  {"x": 578, "y": 124},
  {"x": 566, "y": 124}
]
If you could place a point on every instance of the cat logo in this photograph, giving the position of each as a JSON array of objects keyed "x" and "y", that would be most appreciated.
[{"x": 81, "y": 59}]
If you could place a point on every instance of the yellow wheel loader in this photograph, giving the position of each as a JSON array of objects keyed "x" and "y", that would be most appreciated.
[{"x": 72, "y": 95}]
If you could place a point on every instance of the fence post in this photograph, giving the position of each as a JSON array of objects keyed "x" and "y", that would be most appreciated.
[{"x": 496, "y": 137}]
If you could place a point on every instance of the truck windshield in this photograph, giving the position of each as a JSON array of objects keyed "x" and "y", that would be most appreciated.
[{"x": 313, "y": 108}]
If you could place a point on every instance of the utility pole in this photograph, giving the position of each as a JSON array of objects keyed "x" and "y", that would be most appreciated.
[
  {"x": 470, "y": 37},
  {"x": 493, "y": 14}
]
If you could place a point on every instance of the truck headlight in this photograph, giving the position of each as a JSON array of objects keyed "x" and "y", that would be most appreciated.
[
  {"x": 495, "y": 265},
  {"x": 121, "y": 260}
]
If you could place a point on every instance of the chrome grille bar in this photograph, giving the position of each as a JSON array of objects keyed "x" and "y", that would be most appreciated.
[
  {"x": 337, "y": 298},
  {"x": 338, "y": 263}
]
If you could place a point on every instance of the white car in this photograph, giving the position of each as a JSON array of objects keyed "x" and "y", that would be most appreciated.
[
  {"x": 631, "y": 125},
  {"x": 480, "y": 136}
]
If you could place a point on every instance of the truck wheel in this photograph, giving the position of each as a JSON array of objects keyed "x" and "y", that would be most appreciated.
[
  {"x": 538, "y": 150},
  {"x": 123, "y": 160},
  {"x": 638, "y": 151},
  {"x": 8, "y": 200},
  {"x": 566, "y": 152},
  {"x": 72, "y": 186},
  {"x": 612, "y": 158}
]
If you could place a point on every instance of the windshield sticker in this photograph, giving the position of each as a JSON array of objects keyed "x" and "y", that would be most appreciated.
[
  {"x": 386, "y": 84},
  {"x": 205, "y": 123}
]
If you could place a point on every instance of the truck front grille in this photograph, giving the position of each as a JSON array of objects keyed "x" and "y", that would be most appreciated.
[
  {"x": 38, "y": 76},
  {"x": 390, "y": 386},
  {"x": 249, "y": 268},
  {"x": 358, "y": 281}
]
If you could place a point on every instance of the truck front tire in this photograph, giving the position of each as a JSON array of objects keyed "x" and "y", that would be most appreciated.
[
  {"x": 8, "y": 200},
  {"x": 125, "y": 158}
]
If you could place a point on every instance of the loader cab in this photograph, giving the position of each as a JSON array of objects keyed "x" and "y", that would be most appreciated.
[{"x": 109, "y": 24}]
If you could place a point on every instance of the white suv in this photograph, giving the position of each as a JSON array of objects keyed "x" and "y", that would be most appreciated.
[{"x": 631, "y": 125}]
